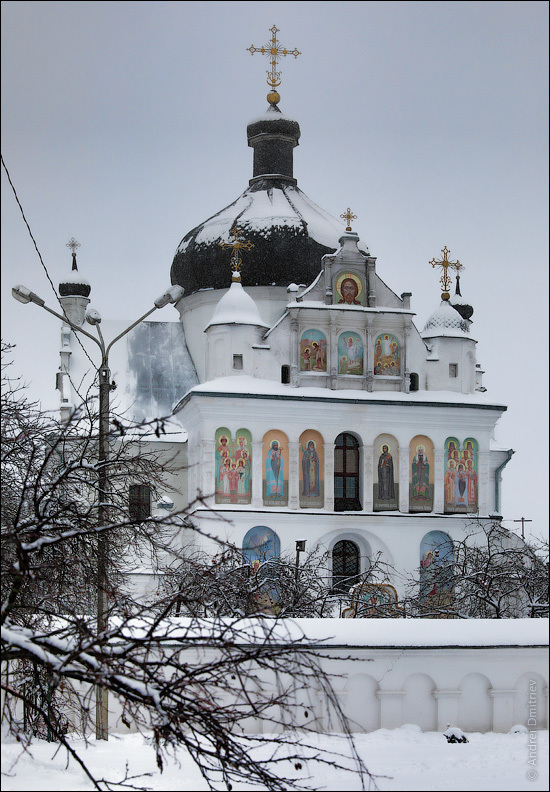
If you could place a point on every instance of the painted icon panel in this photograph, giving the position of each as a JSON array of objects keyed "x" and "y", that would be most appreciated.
[
  {"x": 387, "y": 355},
  {"x": 233, "y": 466},
  {"x": 313, "y": 351},
  {"x": 421, "y": 474},
  {"x": 386, "y": 483},
  {"x": 260, "y": 546},
  {"x": 349, "y": 289},
  {"x": 312, "y": 470},
  {"x": 275, "y": 469},
  {"x": 436, "y": 571},
  {"x": 350, "y": 353},
  {"x": 461, "y": 475}
]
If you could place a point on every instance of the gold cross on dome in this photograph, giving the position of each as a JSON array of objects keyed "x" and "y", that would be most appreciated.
[
  {"x": 274, "y": 51},
  {"x": 445, "y": 279},
  {"x": 236, "y": 246},
  {"x": 348, "y": 216},
  {"x": 73, "y": 244}
]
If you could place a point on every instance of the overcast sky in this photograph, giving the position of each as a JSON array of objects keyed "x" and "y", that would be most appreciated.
[{"x": 124, "y": 125}]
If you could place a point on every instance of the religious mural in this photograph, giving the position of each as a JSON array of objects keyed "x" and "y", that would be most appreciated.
[
  {"x": 312, "y": 470},
  {"x": 387, "y": 355},
  {"x": 373, "y": 601},
  {"x": 461, "y": 475},
  {"x": 349, "y": 289},
  {"x": 421, "y": 474},
  {"x": 436, "y": 570},
  {"x": 233, "y": 466},
  {"x": 350, "y": 353},
  {"x": 260, "y": 545},
  {"x": 313, "y": 351},
  {"x": 275, "y": 469},
  {"x": 386, "y": 480}
]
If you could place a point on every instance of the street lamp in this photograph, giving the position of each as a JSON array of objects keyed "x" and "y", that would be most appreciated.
[{"x": 172, "y": 295}]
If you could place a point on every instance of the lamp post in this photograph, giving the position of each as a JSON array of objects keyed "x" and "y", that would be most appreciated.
[{"x": 172, "y": 295}]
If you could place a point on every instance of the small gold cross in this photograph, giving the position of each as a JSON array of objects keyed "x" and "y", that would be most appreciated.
[
  {"x": 445, "y": 279},
  {"x": 236, "y": 247},
  {"x": 349, "y": 216},
  {"x": 274, "y": 51}
]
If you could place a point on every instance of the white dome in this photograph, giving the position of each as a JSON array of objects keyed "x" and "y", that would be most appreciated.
[
  {"x": 445, "y": 321},
  {"x": 236, "y": 307}
]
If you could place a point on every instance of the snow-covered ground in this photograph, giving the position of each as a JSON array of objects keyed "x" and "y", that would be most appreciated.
[{"x": 402, "y": 759}]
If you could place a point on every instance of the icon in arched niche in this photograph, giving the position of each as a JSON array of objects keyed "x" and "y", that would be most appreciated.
[
  {"x": 260, "y": 546},
  {"x": 387, "y": 355},
  {"x": 313, "y": 351},
  {"x": 349, "y": 289},
  {"x": 436, "y": 572},
  {"x": 461, "y": 475},
  {"x": 350, "y": 353},
  {"x": 421, "y": 486},
  {"x": 233, "y": 466},
  {"x": 386, "y": 483},
  {"x": 275, "y": 469},
  {"x": 312, "y": 470}
]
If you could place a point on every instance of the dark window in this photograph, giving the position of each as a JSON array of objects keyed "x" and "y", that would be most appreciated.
[
  {"x": 285, "y": 375},
  {"x": 345, "y": 566},
  {"x": 453, "y": 370},
  {"x": 413, "y": 382},
  {"x": 139, "y": 501},
  {"x": 238, "y": 362},
  {"x": 346, "y": 473}
]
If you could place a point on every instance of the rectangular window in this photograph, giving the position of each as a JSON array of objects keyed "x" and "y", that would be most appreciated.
[
  {"x": 139, "y": 501},
  {"x": 453, "y": 369},
  {"x": 238, "y": 362}
]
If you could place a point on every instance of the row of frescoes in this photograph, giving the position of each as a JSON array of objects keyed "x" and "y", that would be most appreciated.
[
  {"x": 233, "y": 470},
  {"x": 262, "y": 544},
  {"x": 350, "y": 353}
]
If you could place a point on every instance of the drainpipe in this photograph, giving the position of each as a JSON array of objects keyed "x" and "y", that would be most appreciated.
[{"x": 498, "y": 479}]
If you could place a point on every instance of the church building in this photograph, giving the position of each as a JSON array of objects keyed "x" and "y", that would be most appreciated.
[{"x": 312, "y": 407}]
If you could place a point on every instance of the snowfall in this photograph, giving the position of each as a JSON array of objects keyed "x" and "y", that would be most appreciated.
[{"x": 399, "y": 759}]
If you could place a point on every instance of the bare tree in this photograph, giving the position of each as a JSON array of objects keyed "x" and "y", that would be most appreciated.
[
  {"x": 193, "y": 682},
  {"x": 492, "y": 574}
]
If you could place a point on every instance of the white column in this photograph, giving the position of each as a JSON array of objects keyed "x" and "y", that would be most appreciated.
[
  {"x": 329, "y": 476},
  {"x": 205, "y": 478},
  {"x": 293, "y": 477},
  {"x": 447, "y": 708},
  {"x": 368, "y": 501},
  {"x": 390, "y": 708},
  {"x": 294, "y": 353},
  {"x": 483, "y": 482},
  {"x": 439, "y": 472},
  {"x": 257, "y": 448},
  {"x": 404, "y": 478}
]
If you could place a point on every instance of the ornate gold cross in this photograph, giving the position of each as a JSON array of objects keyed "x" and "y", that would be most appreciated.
[
  {"x": 445, "y": 279},
  {"x": 348, "y": 216},
  {"x": 236, "y": 246},
  {"x": 274, "y": 51}
]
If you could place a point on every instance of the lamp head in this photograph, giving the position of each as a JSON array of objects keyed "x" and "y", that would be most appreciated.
[
  {"x": 24, "y": 295},
  {"x": 92, "y": 316},
  {"x": 172, "y": 295}
]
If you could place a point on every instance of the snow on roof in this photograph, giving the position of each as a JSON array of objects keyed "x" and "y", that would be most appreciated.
[
  {"x": 236, "y": 307},
  {"x": 386, "y": 633},
  {"x": 445, "y": 321},
  {"x": 246, "y": 385}
]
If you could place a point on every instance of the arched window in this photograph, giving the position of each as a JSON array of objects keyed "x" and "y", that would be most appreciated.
[
  {"x": 345, "y": 566},
  {"x": 346, "y": 473},
  {"x": 413, "y": 381},
  {"x": 285, "y": 375}
]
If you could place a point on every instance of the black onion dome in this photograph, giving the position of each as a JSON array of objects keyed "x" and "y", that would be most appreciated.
[{"x": 289, "y": 232}]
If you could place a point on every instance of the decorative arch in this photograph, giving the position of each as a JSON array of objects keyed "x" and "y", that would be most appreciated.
[
  {"x": 233, "y": 466},
  {"x": 361, "y": 704},
  {"x": 475, "y": 707},
  {"x": 436, "y": 572},
  {"x": 386, "y": 480},
  {"x": 349, "y": 289},
  {"x": 261, "y": 545},
  {"x": 312, "y": 470},
  {"x": 313, "y": 351},
  {"x": 530, "y": 701},
  {"x": 419, "y": 705},
  {"x": 387, "y": 355},
  {"x": 350, "y": 353},
  {"x": 275, "y": 468},
  {"x": 347, "y": 489},
  {"x": 421, "y": 474}
]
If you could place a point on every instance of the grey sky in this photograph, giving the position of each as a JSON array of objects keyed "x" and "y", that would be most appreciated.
[{"x": 124, "y": 125}]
